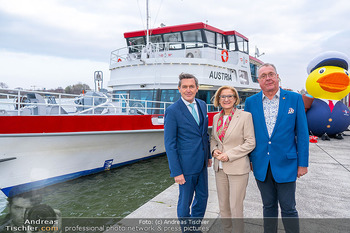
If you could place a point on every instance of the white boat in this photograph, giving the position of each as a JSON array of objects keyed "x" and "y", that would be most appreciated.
[
  {"x": 47, "y": 138},
  {"x": 150, "y": 70}
]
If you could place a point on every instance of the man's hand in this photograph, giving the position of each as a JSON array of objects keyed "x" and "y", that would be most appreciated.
[
  {"x": 302, "y": 171},
  {"x": 180, "y": 179},
  {"x": 210, "y": 162}
]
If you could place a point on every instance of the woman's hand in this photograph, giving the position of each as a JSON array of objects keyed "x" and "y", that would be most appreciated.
[
  {"x": 223, "y": 157},
  {"x": 216, "y": 153}
]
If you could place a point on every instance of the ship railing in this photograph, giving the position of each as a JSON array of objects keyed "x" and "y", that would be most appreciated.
[
  {"x": 17, "y": 102},
  {"x": 23, "y": 102},
  {"x": 169, "y": 49}
]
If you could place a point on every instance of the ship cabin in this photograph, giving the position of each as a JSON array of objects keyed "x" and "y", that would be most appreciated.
[{"x": 149, "y": 66}]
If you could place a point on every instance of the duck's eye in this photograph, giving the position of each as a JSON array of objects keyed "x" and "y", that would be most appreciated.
[
  {"x": 346, "y": 72},
  {"x": 321, "y": 71}
]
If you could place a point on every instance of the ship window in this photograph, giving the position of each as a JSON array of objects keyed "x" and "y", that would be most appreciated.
[
  {"x": 192, "y": 36},
  {"x": 234, "y": 75},
  {"x": 173, "y": 40},
  {"x": 242, "y": 44},
  {"x": 145, "y": 96},
  {"x": 243, "y": 95},
  {"x": 136, "y": 41},
  {"x": 136, "y": 44},
  {"x": 170, "y": 95},
  {"x": 254, "y": 73},
  {"x": 157, "y": 39},
  {"x": 210, "y": 37},
  {"x": 243, "y": 77},
  {"x": 142, "y": 94},
  {"x": 120, "y": 96},
  {"x": 207, "y": 96},
  {"x": 231, "y": 42},
  {"x": 220, "y": 41}
]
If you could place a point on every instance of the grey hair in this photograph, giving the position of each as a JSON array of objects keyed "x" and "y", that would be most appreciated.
[{"x": 268, "y": 64}]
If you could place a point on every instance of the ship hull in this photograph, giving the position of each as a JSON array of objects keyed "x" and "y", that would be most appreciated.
[
  {"x": 38, "y": 151},
  {"x": 31, "y": 161}
]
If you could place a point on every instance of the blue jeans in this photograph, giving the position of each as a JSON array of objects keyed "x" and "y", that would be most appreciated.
[{"x": 273, "y": 193}]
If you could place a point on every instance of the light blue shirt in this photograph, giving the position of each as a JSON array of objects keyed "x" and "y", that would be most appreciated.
[
  {"x": 271, "y": 111},
  {"x": 189, "y": 107}
]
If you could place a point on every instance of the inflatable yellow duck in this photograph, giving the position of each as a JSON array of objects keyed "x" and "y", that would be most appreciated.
[{"x": 328, "y": 82}]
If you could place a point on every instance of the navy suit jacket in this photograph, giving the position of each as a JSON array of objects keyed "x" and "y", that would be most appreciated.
[
  {"x": 186, "y": 142},
  {"x": 288, "y": 146},
  {"x": 321, "y": 120}
]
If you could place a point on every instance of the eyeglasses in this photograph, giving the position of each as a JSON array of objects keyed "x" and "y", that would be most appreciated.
[
  {"x": 226, "y": 96},
  {"x": 270, "y": 75}
]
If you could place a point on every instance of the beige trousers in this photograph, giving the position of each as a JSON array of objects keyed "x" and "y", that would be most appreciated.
[{"x": 231, "y": 191}]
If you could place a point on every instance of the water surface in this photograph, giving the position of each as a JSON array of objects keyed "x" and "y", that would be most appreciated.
[{"x": 115, "y": 193}]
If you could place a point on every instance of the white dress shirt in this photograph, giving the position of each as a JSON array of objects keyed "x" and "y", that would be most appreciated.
[{"x": 189, "y": 107}]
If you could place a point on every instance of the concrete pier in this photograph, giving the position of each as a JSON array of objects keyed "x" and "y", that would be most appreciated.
[{"x": 322, "y": 193}]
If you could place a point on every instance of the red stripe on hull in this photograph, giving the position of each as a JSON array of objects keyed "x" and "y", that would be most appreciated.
[{"x": 82, "y": 123}]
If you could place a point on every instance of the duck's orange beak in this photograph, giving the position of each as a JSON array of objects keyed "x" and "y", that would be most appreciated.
[{"x": 334, "y": 82}]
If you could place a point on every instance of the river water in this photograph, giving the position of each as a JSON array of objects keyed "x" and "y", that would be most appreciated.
[{"x": 115, "y": 193}]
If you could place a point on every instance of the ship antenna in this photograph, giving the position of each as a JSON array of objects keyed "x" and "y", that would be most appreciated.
[
  {"x": 257, "y": 53},
  {"x": 147, "y": 20}
]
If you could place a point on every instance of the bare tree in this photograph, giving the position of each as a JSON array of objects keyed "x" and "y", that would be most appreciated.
[
  {"x": 76, "y": 88},
  {"x": 3, "y": 85}
]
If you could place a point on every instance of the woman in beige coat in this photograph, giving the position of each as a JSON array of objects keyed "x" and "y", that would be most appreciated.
[{"x": 232, "y": 139}]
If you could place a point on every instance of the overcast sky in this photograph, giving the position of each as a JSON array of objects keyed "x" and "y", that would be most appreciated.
[{"x": 55, "y": 43}]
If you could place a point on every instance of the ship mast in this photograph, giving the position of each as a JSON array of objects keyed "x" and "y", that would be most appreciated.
[{"x": 147, "y": 19}]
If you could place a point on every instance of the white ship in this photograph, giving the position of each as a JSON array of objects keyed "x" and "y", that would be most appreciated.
[{"x": 47, "y": 138}]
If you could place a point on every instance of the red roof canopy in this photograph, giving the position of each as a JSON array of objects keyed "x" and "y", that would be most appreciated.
[{"x": 179, "y": 28}]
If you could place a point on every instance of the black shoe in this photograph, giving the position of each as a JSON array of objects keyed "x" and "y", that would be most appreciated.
[
  {"x": 325, "y": 137},
  {"x": 338, "y": 136}
]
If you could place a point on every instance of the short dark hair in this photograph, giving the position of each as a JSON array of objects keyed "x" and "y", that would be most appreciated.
[{"x": 187, "y": 76}]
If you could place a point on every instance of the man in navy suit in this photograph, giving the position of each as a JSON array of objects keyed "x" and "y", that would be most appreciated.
[
  {"x": 282, "y": 148},
  {"x": 186, "y": 142}
]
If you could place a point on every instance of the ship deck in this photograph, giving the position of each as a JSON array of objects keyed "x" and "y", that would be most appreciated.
[{"x": 322, "y": 195}]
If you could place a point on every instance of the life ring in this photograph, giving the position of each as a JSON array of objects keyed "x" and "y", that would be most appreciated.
[
  {"x": 119, "y": 59},
  {"x": 224, "y": 55}
]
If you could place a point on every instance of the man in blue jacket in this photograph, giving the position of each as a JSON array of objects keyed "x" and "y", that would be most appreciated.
[
  {"x": 282, "y": 148},
  {"x": 186, "y": 142}
]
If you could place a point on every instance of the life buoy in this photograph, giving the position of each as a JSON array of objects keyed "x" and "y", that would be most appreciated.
[
  {"x": 224, "y": 55},
  {"x": 119, "y": 59}
]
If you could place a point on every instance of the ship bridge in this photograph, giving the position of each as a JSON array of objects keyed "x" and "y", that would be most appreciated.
[{"x": 150, "y": 70}]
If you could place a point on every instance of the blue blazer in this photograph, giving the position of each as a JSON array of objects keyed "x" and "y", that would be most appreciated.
[
  {"x": 321, "y": 120},
  {"x": 186, "y": 142},
  {"x": 288, "y": 146}
]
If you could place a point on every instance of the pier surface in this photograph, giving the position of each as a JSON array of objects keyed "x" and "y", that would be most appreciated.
[{"x": 323, "y": 193}]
